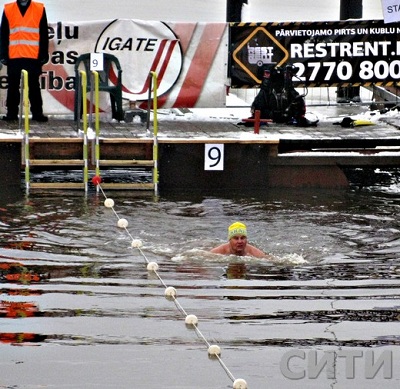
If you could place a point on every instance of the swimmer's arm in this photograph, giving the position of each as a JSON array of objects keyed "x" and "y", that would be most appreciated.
[
  {"x": 222, "y": 249},
  {"x": 255, "y": 252}
]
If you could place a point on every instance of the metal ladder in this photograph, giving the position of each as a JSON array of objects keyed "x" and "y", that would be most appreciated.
[
  {"x": 129, "y": 163},
  {"x": 96, "y": 160},
  {"x": 29, "y": 162}
]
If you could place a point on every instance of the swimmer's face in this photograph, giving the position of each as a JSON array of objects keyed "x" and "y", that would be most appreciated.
[{"x": 238, "y": 244}]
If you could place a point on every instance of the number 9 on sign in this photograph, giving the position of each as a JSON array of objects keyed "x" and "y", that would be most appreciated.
[
  {"x": 97, "y": 62},
  {"x": 214, "y": 157}
]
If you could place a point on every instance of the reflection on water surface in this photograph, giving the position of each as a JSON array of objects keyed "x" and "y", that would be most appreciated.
[{"x": 69, "y": 277}]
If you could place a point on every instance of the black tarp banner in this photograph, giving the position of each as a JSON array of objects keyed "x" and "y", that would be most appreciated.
[{"x": 343, "y": 53}]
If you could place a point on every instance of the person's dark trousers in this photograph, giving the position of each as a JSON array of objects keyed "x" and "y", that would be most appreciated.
[
  {"x": 14, "y": 69},
  {"x": 234, "y": 10}
]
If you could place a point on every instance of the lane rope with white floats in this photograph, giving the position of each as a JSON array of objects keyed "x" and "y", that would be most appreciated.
[{"x": 170, "y": 292}]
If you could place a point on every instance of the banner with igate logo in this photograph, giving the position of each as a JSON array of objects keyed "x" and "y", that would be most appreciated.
[{"x": 188, "y": 58}]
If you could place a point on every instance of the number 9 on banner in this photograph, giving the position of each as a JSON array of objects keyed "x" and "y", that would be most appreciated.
[{"x": 214, "y": 157}]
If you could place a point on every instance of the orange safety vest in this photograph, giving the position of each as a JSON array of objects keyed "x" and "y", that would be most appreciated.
[{"x": 24, "y": 30}]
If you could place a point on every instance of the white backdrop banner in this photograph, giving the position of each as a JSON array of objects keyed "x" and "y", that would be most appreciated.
[{"x": 189, "y": 59}]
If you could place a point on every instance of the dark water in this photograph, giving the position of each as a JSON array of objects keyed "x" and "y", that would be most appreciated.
[{"x": 80, "y": 310}]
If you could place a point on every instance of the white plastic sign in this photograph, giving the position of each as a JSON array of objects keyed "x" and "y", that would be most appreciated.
[
  {"x": 391, "y": 11},
  {"x": 214, "y": 157},
  {"x": 97, "y": 62}
]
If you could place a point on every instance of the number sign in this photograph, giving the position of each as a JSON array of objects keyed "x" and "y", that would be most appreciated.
[
  {"x": 97, "y": 62},
  {"x": 214, "y": 157}
]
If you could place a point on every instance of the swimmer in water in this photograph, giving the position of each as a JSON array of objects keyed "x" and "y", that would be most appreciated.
[{"x": 238, "y": 245}]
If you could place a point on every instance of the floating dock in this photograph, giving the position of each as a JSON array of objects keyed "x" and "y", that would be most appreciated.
[{"x": 280, "y": 156}]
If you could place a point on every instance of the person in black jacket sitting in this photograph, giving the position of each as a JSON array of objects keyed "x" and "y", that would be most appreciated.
[{"x": 277, "y": 99}]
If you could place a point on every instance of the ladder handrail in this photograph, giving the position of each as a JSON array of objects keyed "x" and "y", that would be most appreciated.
[
  {"x": 24, "y": 108},
  {"x": 153, "y": 81},
  {"x": 83, "y": 83},
  {"x": 97, "y": 122},
  {"x": 24, "y": 102}
]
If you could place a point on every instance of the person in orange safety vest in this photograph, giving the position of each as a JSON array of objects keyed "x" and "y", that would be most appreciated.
[{"x": 24, "y": 45}]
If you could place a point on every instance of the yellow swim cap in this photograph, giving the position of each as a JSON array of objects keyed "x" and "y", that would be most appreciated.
[{"x": 237, "y": 229}]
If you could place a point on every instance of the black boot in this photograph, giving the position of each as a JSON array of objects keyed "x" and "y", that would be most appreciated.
[{"x": 40, "y": 118}]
